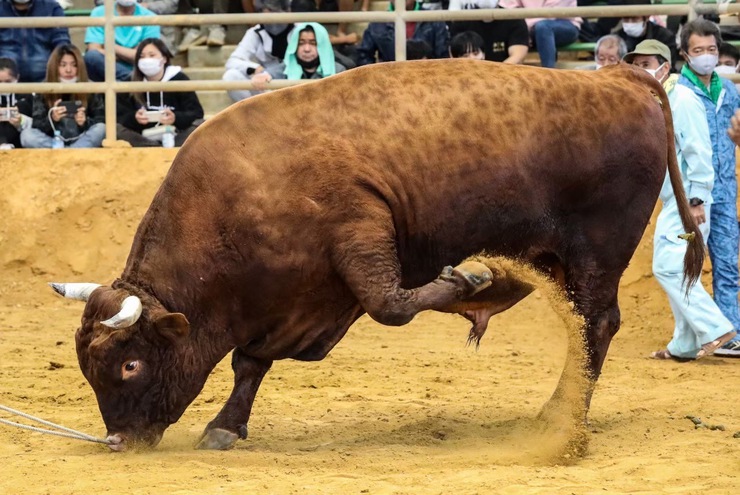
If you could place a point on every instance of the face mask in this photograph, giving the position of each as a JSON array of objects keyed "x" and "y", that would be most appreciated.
[
  {"x": 150, "y": 66},
  {"x": 633, "y": 29},
  {"x": 599, "y": 66},
  {"x": 703, "y": 64},
  {"x": 275, "y": 28},
  {"x": 70, "y": 80},
  {"x": 724, "y": 69},
  {"x": 126, "y": 3},
  {"x": 652, "y": 72}
]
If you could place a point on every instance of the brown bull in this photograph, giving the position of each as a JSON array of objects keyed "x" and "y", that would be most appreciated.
[{"x": 286, "y": 217}]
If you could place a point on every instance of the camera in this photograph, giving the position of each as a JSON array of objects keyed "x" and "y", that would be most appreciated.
[{"x": 8, "y": 113}]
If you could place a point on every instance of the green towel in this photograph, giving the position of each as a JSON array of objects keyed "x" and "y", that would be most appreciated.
[{"x": 326, "y": 68}]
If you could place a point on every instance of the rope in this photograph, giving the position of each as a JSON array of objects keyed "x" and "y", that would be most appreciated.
[{"x": 70, "y": 432}]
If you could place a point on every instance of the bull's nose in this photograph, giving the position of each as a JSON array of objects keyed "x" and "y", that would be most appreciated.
[{"x": 116, "y": 442}]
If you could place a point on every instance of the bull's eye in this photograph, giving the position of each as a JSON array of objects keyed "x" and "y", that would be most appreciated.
[{"x": 130, "y": 368}]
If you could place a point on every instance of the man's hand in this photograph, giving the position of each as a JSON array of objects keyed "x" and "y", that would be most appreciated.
[
  {"x": 698, "y": 213},
  {"x": 734, "y": 130},
  {"x": 58, "y": 112},
  {"x": 141, "y": 117}
]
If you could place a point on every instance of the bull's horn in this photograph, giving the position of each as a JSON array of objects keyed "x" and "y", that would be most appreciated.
[
  {"x": 129, "y": 314},
  {"x": 79, "y": 291}
]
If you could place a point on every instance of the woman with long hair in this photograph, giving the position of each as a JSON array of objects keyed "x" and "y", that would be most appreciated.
[
  {"x": 77, "y": 117},
  {"x": 144, "y": 118}
]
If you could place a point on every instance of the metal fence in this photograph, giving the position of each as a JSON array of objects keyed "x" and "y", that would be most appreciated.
[{"x": 400, "y": 16}]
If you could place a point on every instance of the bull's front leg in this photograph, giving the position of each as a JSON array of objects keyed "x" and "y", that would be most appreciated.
[{"x": 231, "y": 422}]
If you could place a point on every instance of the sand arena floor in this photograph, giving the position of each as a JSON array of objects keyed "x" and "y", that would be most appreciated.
[{"x": 407, "y": 410}]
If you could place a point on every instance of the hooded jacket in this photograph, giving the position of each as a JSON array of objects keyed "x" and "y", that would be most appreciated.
[{"x": 184, "y": 104}]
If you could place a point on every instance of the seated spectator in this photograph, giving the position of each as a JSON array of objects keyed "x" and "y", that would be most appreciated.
[
  {"x": 378, "y": 41},
  {"x": 263, "y": 46},
  {"x": 212, "y": 35},
  {"x": 503, "y": 41},
  {"x": 610, "y": 49},
  {"x": 639, "y": 28},
  {"x": 729, "y": 56},
  {"x": 418, "y": 50},
  {"x": 592, "y": 30},
  {"x": 30, "y": 48},
  {"x": 467, "y": 44},
  {"x": 180, "y": 109},
  {"x": 127, "y": 39},
  {"x": 309, "y": 56},
  {"x": 15, "y": 110},
  {"x": 548, "y": 34},
  {"x": 79, "y": 118},
  {"x": 345, "y": 51}
]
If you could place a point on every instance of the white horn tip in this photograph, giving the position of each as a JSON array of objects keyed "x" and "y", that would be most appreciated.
[
  {"x": 58, "y": 288},
  {"x": 130, "y": 312}
]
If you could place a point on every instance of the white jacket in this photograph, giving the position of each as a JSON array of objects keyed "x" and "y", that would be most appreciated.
[{"x": 254, "y": 49}]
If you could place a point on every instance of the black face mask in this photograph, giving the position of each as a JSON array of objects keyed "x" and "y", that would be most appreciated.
[{"x": 308, "y": 65}]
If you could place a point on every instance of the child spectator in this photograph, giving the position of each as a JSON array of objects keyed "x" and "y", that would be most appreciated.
[
  {"x": 77, "y": 117},
  {"x": 548, "y": 34},
  {"x": 31, "y": 47},
  {"x": 127, "y": 39},
  {"x": 15, "y": 110},
  {"x": 179, "y": 109},
  {"x": 467, "y": 44},
  {"x": 503, "y": 41}
]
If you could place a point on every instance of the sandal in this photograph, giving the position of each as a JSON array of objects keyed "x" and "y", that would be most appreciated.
[
  {"x": 709, "y": 348},
  {"x": 662, "y": 354}
]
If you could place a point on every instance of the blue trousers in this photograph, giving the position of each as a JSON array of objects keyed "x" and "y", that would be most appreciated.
[
  {"x": 91, "y": 138},
  {"x": 548, "y": 34},
  {"x": 95, "y": 64},
  {"x": 698, "y": 319},
  {"x": 723, "y": 253}
]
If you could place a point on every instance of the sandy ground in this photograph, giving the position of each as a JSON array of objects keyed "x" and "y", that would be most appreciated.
[{"x": 407, "y": 410}]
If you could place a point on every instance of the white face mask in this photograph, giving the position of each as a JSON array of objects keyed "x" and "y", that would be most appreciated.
[
  {"x": 724, "y": 69},
  {"x": 633, "y": 29},
  {"x": 70, "y": 80},
  {"x": 150, "y": 66},
  {"x": 126, "y": 3},
  {"x": 704, "y": 64},
  {"x": 652, "y": 72},
  {"x": 599, "y": 66}
]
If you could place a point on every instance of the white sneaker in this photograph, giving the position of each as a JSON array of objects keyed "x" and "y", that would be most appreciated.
[
  {"x": 193, "y": 37},
  {"x": 6, "y": 146}
]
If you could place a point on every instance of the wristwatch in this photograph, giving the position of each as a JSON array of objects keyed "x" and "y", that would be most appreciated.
[{"x": 696, "y": 201}]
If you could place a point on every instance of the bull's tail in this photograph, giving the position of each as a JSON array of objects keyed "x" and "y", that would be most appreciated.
[{"x": 694, "y": 258}]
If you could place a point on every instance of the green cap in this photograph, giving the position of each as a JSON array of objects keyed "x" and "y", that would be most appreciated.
[{"x": 649, "y": 47}]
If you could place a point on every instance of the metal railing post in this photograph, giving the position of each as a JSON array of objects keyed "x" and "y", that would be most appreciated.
[
  {"x": 400, "y": 29},
  {"x": 110, "y": 73}
]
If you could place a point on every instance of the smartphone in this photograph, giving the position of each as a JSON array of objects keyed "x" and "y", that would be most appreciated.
[
  {"x": 8, "y": 113},
  {"x": 154, "y": 115},
  {"x": 71, "y": 106}
]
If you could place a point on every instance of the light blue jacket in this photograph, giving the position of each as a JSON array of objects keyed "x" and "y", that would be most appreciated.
[
  {"x": 693, "y": 146},
  {"x": 723, "y": 149}
]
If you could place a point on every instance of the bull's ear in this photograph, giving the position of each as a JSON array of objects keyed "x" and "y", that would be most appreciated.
[{"x": 173, "y": 326}]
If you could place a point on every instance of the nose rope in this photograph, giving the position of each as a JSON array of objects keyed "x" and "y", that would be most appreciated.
[{"x": 66, "y": 432}]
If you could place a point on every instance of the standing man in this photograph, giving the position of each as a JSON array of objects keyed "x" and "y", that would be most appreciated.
[
  {"x": 30, "y": 48},
  {"x": 700, "y": 41},
  {"x": 127, "y": 39},
  {"x": 700, "y": 327}
]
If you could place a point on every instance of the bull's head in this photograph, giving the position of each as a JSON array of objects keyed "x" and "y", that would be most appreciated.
[{"x": 135, "y": 356}]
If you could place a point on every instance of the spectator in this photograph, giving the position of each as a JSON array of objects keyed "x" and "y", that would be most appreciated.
[
  {"x": 379, "y": 38},
  {"x": 309, "y": 56},
  {"x": 15, "y": 110},
  {"x": 610, "y": 49},
  {"x": 548, "y": 34},
  {"x": 418, "y": 50},
  {"x": 127, "y": 38},
  {"x": 263, "y": 46},
  {"x": 180, "y": 109},
  {"x": 212, "y": 35},
  {"x": 729, "y": 56},
  {"x": 503, "y": 41},
  {"x": 700, "y": 327},
  {"x": 700, "y": 41},
  {"x": 78, "y": 117},
  {"x": 639, "y": 28},
  {"x": 467, "y": 44},
  {"x": 163, "y": 7},
  {"x": 345, "y": 50},
  {"x": 30, "y": 47},
  {"x": 592, "y": 30}
]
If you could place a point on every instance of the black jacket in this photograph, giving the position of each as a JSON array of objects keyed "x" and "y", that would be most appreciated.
[
  {"x": 185, "y": 105},
  {"x": 69, "y": 129}
]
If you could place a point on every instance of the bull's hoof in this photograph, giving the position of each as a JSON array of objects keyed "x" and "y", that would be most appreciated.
[
  {"x": 217, "y": 439},
  {"x": 477, "y": 276}
]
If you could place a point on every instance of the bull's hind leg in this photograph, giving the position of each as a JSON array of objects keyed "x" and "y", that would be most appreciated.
[
  {"x": 231, "y": 422},
  {"x": 367, "y": 260}
]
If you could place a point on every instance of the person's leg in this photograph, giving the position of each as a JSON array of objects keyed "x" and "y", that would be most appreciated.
[
  {"x": 217, "y": 33},
  {"x": 134, "y": 138},
  {"x": 123, "y": 72},
  {"x": 91, "y": 138},
  {"x": 238, "y": 94},
  {"x": 548, "y": 34},
  {"x": 95, "y": 64},
  {"x": 34, "y": 138},
  {"x": 723, "y": 253}
]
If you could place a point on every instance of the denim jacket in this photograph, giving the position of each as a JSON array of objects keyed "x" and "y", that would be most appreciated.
[
  {"x": 380, "y": 37},
  {"x": 723, "y": 149},
  {"x": 31, "y": 47}
]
